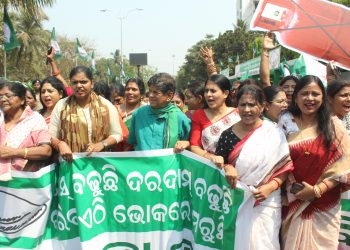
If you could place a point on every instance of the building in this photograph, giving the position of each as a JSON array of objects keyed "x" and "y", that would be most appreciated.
[{"x": 245, "y": 10}]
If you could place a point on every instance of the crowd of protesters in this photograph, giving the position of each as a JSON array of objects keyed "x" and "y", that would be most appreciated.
[{"x": 287, "y": 144}]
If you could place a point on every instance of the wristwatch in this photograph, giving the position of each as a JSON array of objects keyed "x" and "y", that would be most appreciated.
[{"x": 105, "y": 145}]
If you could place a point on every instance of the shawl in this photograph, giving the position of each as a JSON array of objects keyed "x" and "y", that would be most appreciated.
[{"x": 74, "y": 126}]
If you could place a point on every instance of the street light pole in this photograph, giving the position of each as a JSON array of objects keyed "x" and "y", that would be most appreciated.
[
  {"x": 121, "y": 52},
  {"x": 121, "y": 18},
  {"x": 121, "y": 43}
]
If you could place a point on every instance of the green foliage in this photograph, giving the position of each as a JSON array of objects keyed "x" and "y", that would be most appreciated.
[
  {"x": 32, "y": 7},
  {"x": 194, "y": 67},
  {"x": 343, "y": 2},
  {"x": 28, "y": 62},
  {"x": 226, "y": 48}
]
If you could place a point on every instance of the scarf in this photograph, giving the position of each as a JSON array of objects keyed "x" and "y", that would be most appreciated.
[
  {"x": 171, "y": 128},
  {"x": 74, "y": 126}
]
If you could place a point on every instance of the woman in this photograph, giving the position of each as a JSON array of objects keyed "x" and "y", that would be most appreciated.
[
  {"x": 275, "y": 102},
  {"x": 338, "y": 93},
  {"x": 319, "y": 149},
  {"x": 36, "y": 87},
  {"x": 51, "y": 91},
  {"x": 102, "y": 89},
  {"x": 24, "y": 137},
  {"x": 160, "y": 124},
  {"x": 217, "y": 115},
  {"x": 257, "y": 152},
  {"x": 30, "y": 98},
  {"x": 194, "y": 97},
  {"x": 134, "y": 90},
  {"x": 117, "y": 94},
  {"x": 179, "y": 100},
  {"x": 83, "y": 122},
  {"x": 288, "y": 85}
]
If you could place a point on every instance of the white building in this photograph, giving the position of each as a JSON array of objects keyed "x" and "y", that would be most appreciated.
[{"x": 245, "y": 10}]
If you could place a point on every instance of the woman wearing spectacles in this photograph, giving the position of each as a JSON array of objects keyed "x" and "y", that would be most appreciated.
[
  {"x": 24, "y": 137},
  {"x": 83, "y": 122},
  {"x": 275, "y": 103}
]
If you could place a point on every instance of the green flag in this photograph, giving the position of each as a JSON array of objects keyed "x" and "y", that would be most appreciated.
[
  {"x": 81, "y": 52},
  {"x": 221, "y": 64},
  {"x": 93, "y": 62},
  {"x": 299, "y": 67},
  {"x": 54, "y": 44},
  {"x": 109, "y": 72},
  {"x": 10, "y": 39}
]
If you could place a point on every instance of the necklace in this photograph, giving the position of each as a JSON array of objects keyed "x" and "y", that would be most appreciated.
[
  {"x": 127, "y": 113},
  {"x": 306, "y": 151}
]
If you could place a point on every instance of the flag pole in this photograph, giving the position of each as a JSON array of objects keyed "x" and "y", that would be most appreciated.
[
  {"x": 5, "y": 63},
  {"x": 76, "y": 61}
]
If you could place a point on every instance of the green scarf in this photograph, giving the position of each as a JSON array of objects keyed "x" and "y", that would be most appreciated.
[{"x": 171, "y": 129}]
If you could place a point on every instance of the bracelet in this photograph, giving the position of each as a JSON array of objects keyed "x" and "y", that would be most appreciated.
[
  {"x": 266, "y": 54},
  {"x": 317, "y": 191},
  {"x": 25, "y": 153}
]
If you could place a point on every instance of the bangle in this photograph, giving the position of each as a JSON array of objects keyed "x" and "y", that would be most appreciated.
[
  {"x": 317, "y": 191},
  {"x": 56, "y": 73},
  {"x": 25, "y": 153},
  {"x": 278, "y": 183},
  {"x": 55, "y": 145},
  {"x": 323, "y": 182}
]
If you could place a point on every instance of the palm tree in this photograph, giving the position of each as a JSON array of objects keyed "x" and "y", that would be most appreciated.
[
  {"x": 31, "y": 6},
  {"x": 34, "y": 41},
  {"x": 242, "y": 25}
]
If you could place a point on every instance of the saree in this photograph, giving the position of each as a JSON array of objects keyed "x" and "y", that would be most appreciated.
[
  {"x": 315, "y": 224},
  {"x": 259, "y": 157},
  {"x": 211, "y": 134},
  {"x": 30, "y": 131}
]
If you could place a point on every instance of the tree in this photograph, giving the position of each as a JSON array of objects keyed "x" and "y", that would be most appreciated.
[
  {"x": 343, "y": 2},
  {"x": 34, "y": 43},
  {"x": 194, "y": 67},
  {"x": 31, "y": 6}
]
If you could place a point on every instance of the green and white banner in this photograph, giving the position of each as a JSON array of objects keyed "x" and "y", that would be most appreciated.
[
  {"x": 344, "y": 235},
  {"x": 134, "y": 200}
]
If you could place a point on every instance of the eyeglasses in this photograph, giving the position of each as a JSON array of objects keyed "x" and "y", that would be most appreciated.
[
  {"x": 80, "y": 81},
  {"x": 280, "y": 101},
  {"x": 8, "y": 96}
]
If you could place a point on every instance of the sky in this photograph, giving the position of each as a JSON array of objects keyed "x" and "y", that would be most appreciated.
[{"x": 163, "y": 29}]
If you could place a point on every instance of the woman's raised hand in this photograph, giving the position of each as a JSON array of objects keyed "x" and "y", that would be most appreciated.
[
  {"x": 51, "y": 57},
  {"x": 268, "y": 42},
  {"x": 207, "y": 55}
]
